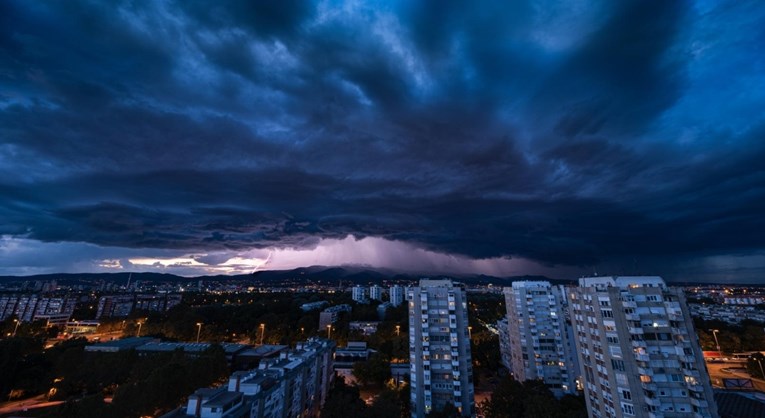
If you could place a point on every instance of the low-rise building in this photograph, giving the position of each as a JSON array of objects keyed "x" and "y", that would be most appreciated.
[
  {"x": 365, "y": 328},
  {"x": 330, "y": 315},
  {"x": 121, "y": 306},
  {"x": 124, "y": 344},
  {"x": 306, "y": 307},
  {"x": 32, "y": 307}
]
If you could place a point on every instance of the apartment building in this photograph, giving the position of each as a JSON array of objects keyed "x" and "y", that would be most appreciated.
[
  {"x": 540, "y": 344},
  {"x": 638, "y": 350},
  {"x": 439, "y": 348}
]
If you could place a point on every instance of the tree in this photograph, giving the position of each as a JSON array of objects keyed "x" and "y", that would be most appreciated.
[
  {"x": 530, "y": 399},
  {"x": 343, "y": 401},
  {"x": 448, "y": 411},
  {"x": 375, "y": 371},
  {"x": 753, "y": 364},
  {"x": 386, "y": 405}
]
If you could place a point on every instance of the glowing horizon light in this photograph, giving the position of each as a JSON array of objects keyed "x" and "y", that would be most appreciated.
[{"x": 167, "y": 262}]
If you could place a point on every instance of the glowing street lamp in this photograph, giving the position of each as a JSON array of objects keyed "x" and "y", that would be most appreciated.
[
  {"x": 262, "y": 332},
  {"x": 329, "y": 332},
  {"x": 470, "y": 332},
  {"x": 138, "y": 334},
  {"x": 199, "y": 330},
  {"x": 398, "y": 330},
  {"x": 714, "y": 333},
  {"x": 16, "y": 327}
]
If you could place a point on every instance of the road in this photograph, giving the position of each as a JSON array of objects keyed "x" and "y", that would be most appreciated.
[
  {"x": 731, "y": 370},
  {"x": 26, "y": 404}
]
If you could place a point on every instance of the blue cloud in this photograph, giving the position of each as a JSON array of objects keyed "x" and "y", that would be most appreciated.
[{"x": 566, "y": 135}]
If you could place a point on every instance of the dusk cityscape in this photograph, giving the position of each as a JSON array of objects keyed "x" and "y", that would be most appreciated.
[{"x": 278, "y": 209}]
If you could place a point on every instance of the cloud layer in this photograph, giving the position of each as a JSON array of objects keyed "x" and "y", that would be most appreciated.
[{"x": 555, "y": 133}]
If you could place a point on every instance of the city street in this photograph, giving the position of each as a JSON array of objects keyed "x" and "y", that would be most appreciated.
[
  {"x": 26, "y": 404},
  {"x": 731, "y": 370}
]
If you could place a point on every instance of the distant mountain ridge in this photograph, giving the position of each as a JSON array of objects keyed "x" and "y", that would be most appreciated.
[{"x": 313, "y": 274}]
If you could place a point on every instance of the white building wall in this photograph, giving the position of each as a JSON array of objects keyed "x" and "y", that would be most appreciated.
[
  {"x": 639, "y": 354},
  {"x": 439, "y": 348}
]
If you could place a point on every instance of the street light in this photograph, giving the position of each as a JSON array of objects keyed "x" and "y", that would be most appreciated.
[
  {"x": 16, "y": 327},
  {"x": 138, "y": 334},
  {"x": 398, "y": 330},
  {"x": 470, "y": 332},
  {"x": 199, "y": 330},
  {"x": 262, "y": 332},
  {"x": 714, "y": 333},
  {"x": 329, "y": 332}
]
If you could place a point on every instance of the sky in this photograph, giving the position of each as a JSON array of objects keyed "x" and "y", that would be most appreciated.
[{"x": 563, "y": 138}]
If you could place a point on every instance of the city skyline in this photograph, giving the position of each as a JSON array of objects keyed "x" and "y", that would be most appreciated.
[{"x": 544, "y": 138}]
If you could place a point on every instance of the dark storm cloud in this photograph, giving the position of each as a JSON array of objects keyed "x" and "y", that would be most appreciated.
[{"x": 567, "y": 135}]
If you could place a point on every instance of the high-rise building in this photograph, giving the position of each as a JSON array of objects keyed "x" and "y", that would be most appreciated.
[
  {"x": 504, "y": 344},
  {"x": 359, "y": 294},
  {"x": 638, "y": 351},
  {"x": 375, "y": 292},
  {"x": 540, "y": 345},
  {"x": 396, "y": 295},
  {"x": 439, "y": 348}
]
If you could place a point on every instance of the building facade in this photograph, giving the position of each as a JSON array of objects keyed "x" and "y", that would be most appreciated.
[
  {"x": 375, "y": 292},
  {"x": 441, "y": 370},
  {"x": 33, "y": 307},
  {"x": 359, "y": 294},
  {"x": 330, "y": 315},
  {"x": 638, "y": 350},
  {"x": 504, "y": 344},
  {"x": 539, "y": 342},
  {"x": 396, "y": 295},
  {"x": 295, "y": 384},
  {"x": 120, "y": 306}
]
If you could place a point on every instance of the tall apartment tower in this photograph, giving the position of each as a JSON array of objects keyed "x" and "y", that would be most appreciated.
[
  {"x": 439, "y": 348},
  {"x": 638, "y": 351},
  {"x": 396, "y": 294},
  {"x": 540, "y": 343},
  {"x": 375, "y": 292}
]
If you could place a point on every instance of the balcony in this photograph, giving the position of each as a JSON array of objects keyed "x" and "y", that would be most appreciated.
[
  {"x": 701, "y": 403},
  {"x": 645, "y": 371},
  {"x": 648, "y": 386},
  {"x": 652, "y": 401}
]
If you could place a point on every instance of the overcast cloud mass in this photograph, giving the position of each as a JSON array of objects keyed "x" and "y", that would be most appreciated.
[{"x": 552, "y": 137}]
